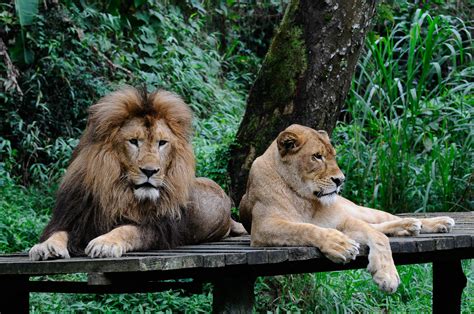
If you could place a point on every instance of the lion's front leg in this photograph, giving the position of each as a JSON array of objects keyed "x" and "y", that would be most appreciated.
[
  {"x": 53, "y": 247},
  {"x": 116, "y": 242},
  {"x": 381, "y": 264}
]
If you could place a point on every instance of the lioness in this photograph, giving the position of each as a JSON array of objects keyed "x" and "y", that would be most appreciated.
[
  {"x": 292, "y": 199},
  {"x": 131, "y": 183}
]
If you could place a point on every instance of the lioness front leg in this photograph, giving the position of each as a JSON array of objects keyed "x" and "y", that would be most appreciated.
[
  {"x": 400, "y": 227},
  {"x": 394, "y": 225},
  {"x": 116, "y": 242},
  {"x": 441, "y": 224},
  {"x": 336, "y": 246},
  {"x": 53, "y": 247},
  {"x": 381, "y": 264}
]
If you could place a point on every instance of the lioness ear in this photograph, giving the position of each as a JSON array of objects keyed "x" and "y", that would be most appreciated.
[
  {"x": 325, "y": 135},
  {"x": 288, "y": 142}
]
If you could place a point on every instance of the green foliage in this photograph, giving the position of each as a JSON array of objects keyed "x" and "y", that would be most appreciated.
[
  {"x": 26, "y": 11},
  {"x": 408, "y": 142},
  {"x": 82, "y": 52}
]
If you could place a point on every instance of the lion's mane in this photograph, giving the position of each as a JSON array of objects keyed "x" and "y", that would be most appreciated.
[{"x": 95, "y": 196}]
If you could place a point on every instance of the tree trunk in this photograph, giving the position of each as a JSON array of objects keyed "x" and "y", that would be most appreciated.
[{"x": 304, "y": 78}]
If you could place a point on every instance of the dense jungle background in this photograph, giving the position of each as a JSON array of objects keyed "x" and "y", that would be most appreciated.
[{"x": 404, "y": 138}]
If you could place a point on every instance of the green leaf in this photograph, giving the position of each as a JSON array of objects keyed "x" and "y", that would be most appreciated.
[{"x": 26, "y": 10}]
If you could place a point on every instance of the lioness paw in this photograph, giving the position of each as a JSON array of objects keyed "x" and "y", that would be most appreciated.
[
  {"x": 48, "y": 250},
  {"x": 338, "y": 247},
  {"x": 105, "y": 247},
  {"x": 442, "y": 224},
  {"x": 383, "y": 271},
  {"x": 387, "y": 279},
  {"x": 408, "y": 227}
]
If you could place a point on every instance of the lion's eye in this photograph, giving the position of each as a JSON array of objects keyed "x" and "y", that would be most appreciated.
[
  {"x": 317, "y": 156},
  {"x": 133, "y": 141},
  {"x": 162, "y": 142}
]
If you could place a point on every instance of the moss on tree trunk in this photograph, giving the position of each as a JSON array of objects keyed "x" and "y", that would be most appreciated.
[{"x": 304, "y": 78}]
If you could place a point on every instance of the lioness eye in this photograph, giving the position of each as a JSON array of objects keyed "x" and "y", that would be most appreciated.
[
  {"x": 162, "y": 142},
  {"x": 317, "y": 156},
  {"x": 133, "y": 141}
]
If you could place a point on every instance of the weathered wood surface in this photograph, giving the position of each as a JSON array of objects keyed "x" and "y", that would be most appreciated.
[{"x": 233, "y": 252}]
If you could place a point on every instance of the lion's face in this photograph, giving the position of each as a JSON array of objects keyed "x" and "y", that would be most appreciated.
[
  {"x": 309, "y": 163},
  {"x": 147, "y": 145},
  {"x": 135, "y": 151}
]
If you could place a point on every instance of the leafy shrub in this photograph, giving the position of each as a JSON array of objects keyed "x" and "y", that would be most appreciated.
[
  {"x": 408, "y": 138},
  {"x": 82, "y": 51}
]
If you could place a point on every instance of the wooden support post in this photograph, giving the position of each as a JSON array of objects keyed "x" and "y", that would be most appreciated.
[
  {"x": 234, "y": 295},
  {"x": 14, "y": 296},
  {"x": 448, "y": 284}
]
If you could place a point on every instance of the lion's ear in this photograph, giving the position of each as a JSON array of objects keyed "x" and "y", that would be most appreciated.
[{"x": 288, "y": 143}]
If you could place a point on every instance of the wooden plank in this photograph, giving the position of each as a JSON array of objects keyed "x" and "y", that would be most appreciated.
[
  {"x": 170, "y": 263},
  {"x": 19, "y": 266},
  {"x": 235, "y": 259},
  {"x": 403, "y": 245},
  {"x": 214, "y": 260},
  {"x": 425, "y": 245}
]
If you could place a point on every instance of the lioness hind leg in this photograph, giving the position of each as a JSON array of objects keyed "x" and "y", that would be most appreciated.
[
  {"x": 54, "y": 247},
  {"x": 441, "y": 224},
  {"x": 399, "y": 228}
]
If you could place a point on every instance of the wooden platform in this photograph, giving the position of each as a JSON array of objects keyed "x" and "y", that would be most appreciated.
[{"x": 233, "y": 261}]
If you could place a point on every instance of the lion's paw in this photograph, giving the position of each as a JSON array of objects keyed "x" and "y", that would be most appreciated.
[
  {"x": 338, "y": 247},
  {"x": 104, "y": 247},
  {"x": 48, "y": 249},
  {"x": 408, "y": 227},
  {"x": 442, "y": 224}
]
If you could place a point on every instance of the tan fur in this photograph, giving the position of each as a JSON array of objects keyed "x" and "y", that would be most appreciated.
[
  {"x": 292, "y": 199},
  {"x": 130, "y": 181}
]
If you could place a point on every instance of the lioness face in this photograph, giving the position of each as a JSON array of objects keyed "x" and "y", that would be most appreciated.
[
  {"x": 309, "y": 158},
  {"x": 147, "y": 145}
]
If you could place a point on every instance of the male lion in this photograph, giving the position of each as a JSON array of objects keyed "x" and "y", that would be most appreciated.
[
  {"x": 131, "y": 183},
  {"x": 292, "y": 199}
]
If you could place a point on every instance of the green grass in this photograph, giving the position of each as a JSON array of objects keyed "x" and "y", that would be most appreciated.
[
  {"x": 354, "y": 291},
  {"x": 23, "y": 215}
]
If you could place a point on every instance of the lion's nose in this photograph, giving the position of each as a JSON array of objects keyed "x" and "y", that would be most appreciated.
[
  {"x": 338, "y": 180},
  {"x": 149, "y": 172}
]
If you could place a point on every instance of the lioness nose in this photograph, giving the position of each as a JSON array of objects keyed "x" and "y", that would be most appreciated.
[
  {"x": 149, "y": 172},
  {"x": 338, "y": 180}
]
